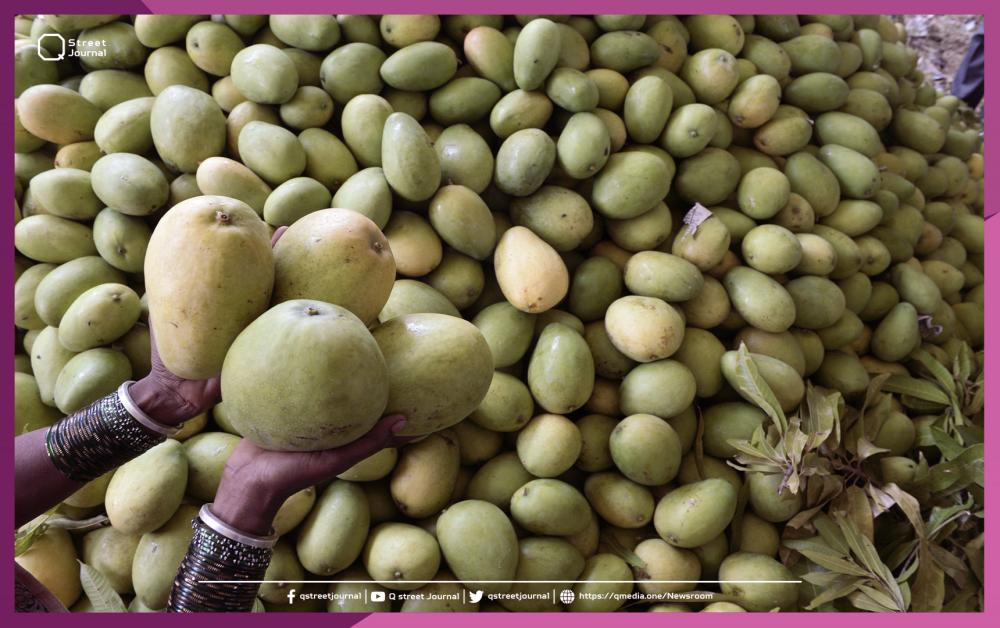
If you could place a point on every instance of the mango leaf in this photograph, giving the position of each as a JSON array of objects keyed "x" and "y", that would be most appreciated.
[
  {"x": 30, "y": 532},
  {"x": 949, "y": 447},
  {"x": 842, "y": 587},
  {"x": 862, "y": 600},
  {"x": 937, "y": 370},
  {"x": 953, "y": 566},
  {"x": 916, "y": 388},
  {"x": 752, "y": 387},
  {"x": 99, "y": 591},
  {"x": 974, "y": 554},
  {"x": 928, "y": 587},
  {"x": 831, "y": 534},
  {"x": 910, "y": 507}
]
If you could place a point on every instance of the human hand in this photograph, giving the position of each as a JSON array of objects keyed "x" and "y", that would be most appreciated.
[
  {"x": 168, "y": 398},
  {"x": 257, "y": 481}
]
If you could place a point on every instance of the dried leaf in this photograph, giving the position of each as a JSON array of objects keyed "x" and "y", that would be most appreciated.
[
  {"x": 99, "y": 591},
  {"x": 839, "y": 588},
  {"x": 928, "y": 587},
  {"x": 910, "y": 507}
]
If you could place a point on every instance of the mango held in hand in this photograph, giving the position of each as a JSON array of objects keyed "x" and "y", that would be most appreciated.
[
  {"x": 338, "y": 256},
  {"x": 439, "y": 369},
  {"x": 304, "y": 376},
  {"x": 209, "y": 273}
]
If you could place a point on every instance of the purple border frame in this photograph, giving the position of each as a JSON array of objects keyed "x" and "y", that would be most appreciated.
[{"x": 583, "y": 7}]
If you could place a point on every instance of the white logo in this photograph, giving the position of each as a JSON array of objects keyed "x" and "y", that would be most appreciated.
[
  {"x": 378, "y": 596},
  {"x": 475, "y": 596},
  {"x": 566, "y": 596},
  {"x": 48, "y": 55},
  {"x": 291, "y": 596}
]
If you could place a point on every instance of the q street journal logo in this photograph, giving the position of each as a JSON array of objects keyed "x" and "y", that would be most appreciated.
[{"x": 55, "y": 47}]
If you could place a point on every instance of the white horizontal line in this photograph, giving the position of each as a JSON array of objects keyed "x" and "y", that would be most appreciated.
[{"x": 500, "y": 581}]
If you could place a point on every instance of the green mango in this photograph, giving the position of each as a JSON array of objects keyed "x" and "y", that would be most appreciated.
[
  {"x": 463, "y": 100},
  {"x": 507, "y": 330},
  {"x": 818, "y": 302},
  {"x": 478, "y": 543},
  {"x": 870, "y": 106},
  {"x": 768, "y": 502},
  {"x": 542, "y": 559},
  {"x": 630, "y": 184},
  {"x": 816, "y": 92},
  {"x": 694, "y": 514},
  {"x": 333, "y": 534},
  {"x": 814, "y": 181},
  {"x": 812, "y": 53},
  {"x": 561, "y": 370},
  {"x": 571, "y": 90},
  {"x": 646, "y": 108},
  {"x": 56, "y": 114},
  {"x": 172, "y": 66},
  {"x": 843, "y": 372},
  {"x": 609, "y": 362},
  {"x": 121, "y": 240},
  {"x": 646, "y": 449},
  {"x": 129, "y": 184},
  {"x": 730, "y": 421},
  {"x": 366, "y": 192},
  {"x": 351, "y": 70},
  {"x": 30, "y": 412},
  {"x": 712, "y": 75},
  {"x": 664, "y": 388},
  {"x": 264, "y": 74},
  {"x": 212, "y": 46},
  {"x": 107, "y": 88},
  {"x": 99, "y": 316},
  {"x": 715, "y": 31},
  {"x": 158, "y": 557},
  {"x": 919, "y": 131},
  {"x": 771, "y": 249},
  {"x": 145, "y": 492},
  {"x": 708, "y": 177},
  {"x": 519, "y": 110},
  {"x": 47, "y": 238},
  {"x": 601, "y": 585},
  {"x": 857, "y": 174},
  {"x": 558, "y": 215},
  {"x": 415, "y": 297},
  {"x": 644, "y": 232},
  {"x": 849, "y": 131},
  {"x": 507, "y": 406},
  {"x": 491, "y": 55},
  {"x": 465, "y": 157},
  {"x": 420, "y": 66},
  {"x": 550, "y": 507},
  {"x": 111, "y": 552},
  {"x": 662, "y": 275},
  {"x": 700, "y": 352},
  {"x": 618, "y": 500},
  {"x": 916, "y": 288},
  {"x": 59, "y": 288},
  {"x": 156, "y": 31},
  {"x": 768, "y": 56},
  {"x": 25, "y": 315},
  {"x": 409, "y": 162},
  {"x": 66, "y": 192},
  {"x": 272, "y": 152},
  {"x": 524, "y": 161},
  {"x": 294, "y": 199},
  {"x": 784, "y": 381},
  {"x": 689, "y": 130},
  {"x": 755, "y": 101},
  {"x": 187, "y": 127},
  {"x": 759, "y": 299},
  {"x": 623, "y": 51},
  {"x": 463, "y": 220},
  {"x": 535, "y": 56},
  {"x": 498, "y": 479},
  {"x": 770, "y": 593},
  {"x": 401, "y": 551}
]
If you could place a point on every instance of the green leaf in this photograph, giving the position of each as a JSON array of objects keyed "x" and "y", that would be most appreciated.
[
  {"x": 99, "y": 591},
  {"x": 949, "y": 447},
  {"x": 752, "y": 386},
  {"x": 862, "y": 601},
  {"x": 928, "y": 587},
  {"x": 832, "y": 534},
  {"x": 30, "y": 532},
  {"x": 258, "y": 606},
  {"x": 840, "y": 588},
  {"x": 917, "y": 388},
  {"x": 937, "y": 370},
  {"x": 910, "y": 507}
]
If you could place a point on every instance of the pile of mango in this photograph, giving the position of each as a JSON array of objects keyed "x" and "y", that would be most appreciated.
[{"x": 666, "y": 299}]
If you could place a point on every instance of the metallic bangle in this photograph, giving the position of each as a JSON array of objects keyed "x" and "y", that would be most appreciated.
[
  {"x": 97, "y": 439},
  {"x": 148, "y": 422},
  {"x": 214, "y": 560}
]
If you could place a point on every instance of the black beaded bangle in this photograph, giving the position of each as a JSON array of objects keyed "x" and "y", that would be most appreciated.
[
  {"x": 97, "y": 439},
  {"x": 213, "y": 561}
]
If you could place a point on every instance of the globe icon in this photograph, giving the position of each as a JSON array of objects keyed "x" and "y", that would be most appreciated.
[{"x": 567, "y": 596}]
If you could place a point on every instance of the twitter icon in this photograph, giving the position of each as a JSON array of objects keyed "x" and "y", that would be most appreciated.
[{"x": 475, "y": 596}]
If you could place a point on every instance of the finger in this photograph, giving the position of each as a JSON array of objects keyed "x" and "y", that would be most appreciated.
[
  {"x": 213, "y": 390},
  {"x": 342, "y": 458},
  {"x": 280, "y": 231}
]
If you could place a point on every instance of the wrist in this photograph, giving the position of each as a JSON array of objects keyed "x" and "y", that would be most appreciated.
[
  {"x": 245, "y": 506},
  {"x": 157, "y": 401}
]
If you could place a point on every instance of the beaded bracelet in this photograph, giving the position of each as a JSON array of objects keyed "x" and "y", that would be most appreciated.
[
  {"x": 103, "y": 436},
  {"x": 218, "y": 555}
]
